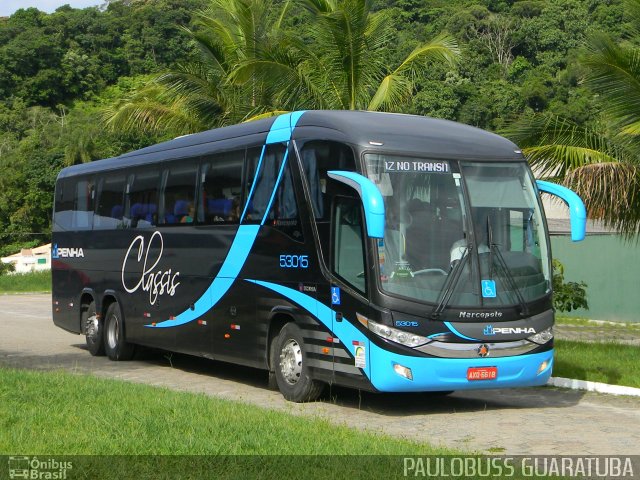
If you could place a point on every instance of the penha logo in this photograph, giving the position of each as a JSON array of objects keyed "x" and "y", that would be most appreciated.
[
  {"x": 63, "y": 252},
  {"x": 156, "y": 283},
  {"x": 490, "y": 330}
]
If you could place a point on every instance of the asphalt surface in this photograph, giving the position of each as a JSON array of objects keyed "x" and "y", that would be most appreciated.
[{"x": 534, "y": 421}]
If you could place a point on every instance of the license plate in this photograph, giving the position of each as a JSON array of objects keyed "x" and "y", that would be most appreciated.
[{"x": 482, "y": 373}]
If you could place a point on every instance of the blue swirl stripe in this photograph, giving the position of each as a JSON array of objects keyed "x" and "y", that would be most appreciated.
[
  {"x": 280, "y": 131},
  {"x": 454, "y": 330},
  {"x": 429, "y": 373},
  {"x": 344, "y": 330}
]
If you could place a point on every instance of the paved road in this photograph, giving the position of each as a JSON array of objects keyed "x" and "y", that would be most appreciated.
[{"x": 520, "y": 421}]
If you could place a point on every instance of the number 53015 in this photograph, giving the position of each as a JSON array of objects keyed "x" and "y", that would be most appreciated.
[{"x": 294, "y": 261}]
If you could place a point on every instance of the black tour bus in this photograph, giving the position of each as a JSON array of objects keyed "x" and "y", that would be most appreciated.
[{"x": 378, "y": 251}]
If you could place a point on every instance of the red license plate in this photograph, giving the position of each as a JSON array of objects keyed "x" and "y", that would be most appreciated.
[{"x": 482, "y": 373}]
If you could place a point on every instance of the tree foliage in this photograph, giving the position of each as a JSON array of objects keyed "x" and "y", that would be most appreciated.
[
  {"x": 177, "y": 66},
  {"x": 567, "y": 296},
  {"x": 600, "y": 161}
]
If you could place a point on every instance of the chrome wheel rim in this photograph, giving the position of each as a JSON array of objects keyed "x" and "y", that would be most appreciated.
[
  {"x": 291, "y": 362},
  {"x": 91, "y": 327},
  {"x": 112, "y": 332}
]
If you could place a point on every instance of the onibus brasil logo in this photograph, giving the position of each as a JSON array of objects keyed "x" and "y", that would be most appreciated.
[{"x": 38, "y": 469}]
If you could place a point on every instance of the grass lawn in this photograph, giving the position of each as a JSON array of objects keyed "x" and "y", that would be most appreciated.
[
  {"x": 586, "y": 322},
  {"x": 598, "y": 362},
  {"x": 49, "y": 413},
  {"x": 26, "y": 282}
]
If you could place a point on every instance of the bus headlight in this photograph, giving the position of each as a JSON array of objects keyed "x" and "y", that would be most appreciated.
[
  {"x": 542, "y": 337},
  {"x": 393, "y": 334}
]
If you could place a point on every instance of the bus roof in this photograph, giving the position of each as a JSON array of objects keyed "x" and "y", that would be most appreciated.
[{"x": 380, "y": 131}]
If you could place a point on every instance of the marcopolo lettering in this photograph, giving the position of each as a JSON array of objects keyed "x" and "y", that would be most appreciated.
[{"x": 494, "y": 314}]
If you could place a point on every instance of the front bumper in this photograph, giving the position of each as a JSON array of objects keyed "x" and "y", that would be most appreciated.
[{"x": 443, "y": 374}]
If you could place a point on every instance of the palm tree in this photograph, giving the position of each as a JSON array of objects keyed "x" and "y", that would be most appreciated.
[
  {"x": 199, "y": 94},
  {"x": 250, "y": 67},
  {"x": 341, "y": 65},
  {"x": 602, "y": 164}
]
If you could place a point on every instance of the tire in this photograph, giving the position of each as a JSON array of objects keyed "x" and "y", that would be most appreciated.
[
  {"x": 115, "y": 344},
  {"x": 291, "y": 370},
  {"x": 92, "y": 326}
]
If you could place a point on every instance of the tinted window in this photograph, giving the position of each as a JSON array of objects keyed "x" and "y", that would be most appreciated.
[
  {"x": 143, "y": 199},
  {"x": 318, "y": 157},
  {"x": 266, "y": 161},
  {"x": 180, "y": 194},
  {"x": 274, "y": 190},
  {"x": 221, "y": 189},
  {"x": 110, "y": 204},
  {"x": 84, "y": 205},
  {"x": 348, "y": 247},
  {"x": 65, "y": 198}
]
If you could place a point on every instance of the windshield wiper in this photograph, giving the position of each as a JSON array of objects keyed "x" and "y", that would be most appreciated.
[
  {"x": 452, "y": 282},
  {"x": 505, "y": 269}
]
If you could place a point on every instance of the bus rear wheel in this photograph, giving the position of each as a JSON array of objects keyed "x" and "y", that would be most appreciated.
[
  {"x": 291, "y": 370},
  {"x": 115, "y": 343},
  {"x": 93, "y": 330}
]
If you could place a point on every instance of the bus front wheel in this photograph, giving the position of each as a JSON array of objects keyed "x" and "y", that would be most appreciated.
[
  {"x": 93, "y": 330},
  {"x": 115, "y": 343},
  {"x": 291, "y": 368}
]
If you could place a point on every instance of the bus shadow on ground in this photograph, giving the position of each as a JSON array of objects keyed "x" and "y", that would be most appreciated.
[
  {"x": 392, "y": 404},
  {"x": 387, "y": 404}
]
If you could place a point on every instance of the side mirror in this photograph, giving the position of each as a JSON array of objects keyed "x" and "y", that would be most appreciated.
[
  {"x": 369, "y": 195},
  {"x": 577, "y": 212}
]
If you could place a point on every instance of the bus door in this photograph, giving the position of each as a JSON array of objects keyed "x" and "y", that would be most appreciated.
[{"x": 349, "y": 292}]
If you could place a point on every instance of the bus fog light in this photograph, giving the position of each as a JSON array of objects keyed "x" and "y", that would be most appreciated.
[
  {"x": 403, "y": 371},
  {"x": 542, "y": 337},
  {"x": 543, "y": 366}
]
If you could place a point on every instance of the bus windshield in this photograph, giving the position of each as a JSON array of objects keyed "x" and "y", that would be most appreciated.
[{"x": 468, "y": 231}]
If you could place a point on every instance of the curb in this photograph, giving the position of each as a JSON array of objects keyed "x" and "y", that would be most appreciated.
[{"x": 593, "y": 386}]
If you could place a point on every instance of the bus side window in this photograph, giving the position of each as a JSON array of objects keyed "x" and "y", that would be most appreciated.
[
  {"x": 283, "y": 214},
  {"x": 348, "y": 246},
  {"x": 143, "y": 199},
  {"x": 110, "y": 203},
  {"x": 84, "y": 205},
  {"x": 318, "y": 157},
  {"x": 63, "y": 216},
  {"x": 221, "y": 188},
  {"x": 179, "y": 195},
  {"x": 262, "y": 177}
]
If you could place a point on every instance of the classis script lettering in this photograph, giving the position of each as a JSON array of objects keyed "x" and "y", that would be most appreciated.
[{"x": 156, "y": 282}]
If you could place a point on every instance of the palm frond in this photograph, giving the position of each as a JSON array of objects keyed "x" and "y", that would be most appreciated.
[
  {"x": 614, "y": 73},
  {"x": 611, "y": 193},
  {"x": 443, "y": 48},
  {"x": 394, "y": 90},
  {"x": 556, "y": 146}
]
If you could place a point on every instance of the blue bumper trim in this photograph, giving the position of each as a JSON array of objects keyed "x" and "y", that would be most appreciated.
[
  {"x": 441, "y": 374},
  {"x": 429, "y": 374}
]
